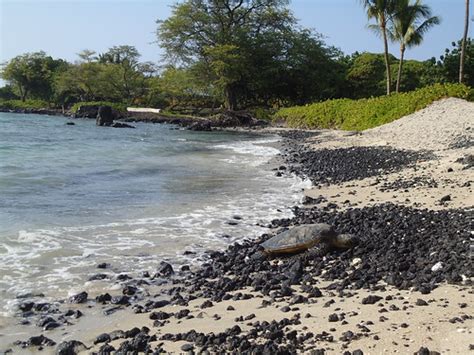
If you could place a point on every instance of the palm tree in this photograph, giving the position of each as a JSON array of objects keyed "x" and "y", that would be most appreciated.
[
  {"x": 463, "y": 46},
  {"x": 410, "y": 21},
  {"x": 381, "y": 11}
]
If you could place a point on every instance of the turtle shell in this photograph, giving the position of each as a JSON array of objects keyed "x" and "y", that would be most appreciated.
[{"x": 299, "y": 238}]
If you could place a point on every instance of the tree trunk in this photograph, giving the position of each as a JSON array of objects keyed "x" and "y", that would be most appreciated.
[
  {"x": 387, "y": 61},
  {"x": 22, "y": 93},
  {"x": 230, "y": 101},
  {"x": 463, "y": 45},
  {"x": 400, "y": 66}
]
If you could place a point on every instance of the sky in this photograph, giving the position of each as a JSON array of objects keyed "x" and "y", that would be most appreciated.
[{"x": 62, "y": 28}]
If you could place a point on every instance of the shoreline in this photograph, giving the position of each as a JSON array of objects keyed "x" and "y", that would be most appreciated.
[
  {"x": 365, "y": 300},
  {"x": 102, "y": 286},
  {"x": 239, "y": 120}
]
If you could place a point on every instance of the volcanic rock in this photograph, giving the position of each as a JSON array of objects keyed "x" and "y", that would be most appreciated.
[
  {"x": 71, "y": 347},
  {"x": 79, "y": 298}
]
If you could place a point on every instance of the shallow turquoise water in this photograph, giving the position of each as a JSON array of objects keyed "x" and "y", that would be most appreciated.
[{"x": 73, "y": 196}]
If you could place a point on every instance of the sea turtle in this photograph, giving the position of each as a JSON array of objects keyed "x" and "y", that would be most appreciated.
[{"x": 304, "y": 237}]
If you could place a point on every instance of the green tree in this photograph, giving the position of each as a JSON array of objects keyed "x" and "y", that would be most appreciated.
[
  {"x": 366, "y": 75},
  {"x": 32, "y": 74},
  {"x": 87, "y": 55},
  {"x": 409, "y": 23},
  {"x": 7, "y": 93},
  {"x": 80, "y": 82},
  {"x": 293, "y": 67},
  {"x": 177, "y": 87},
  {"x": 463, "y": 45},
  {"x": 381, "y": 11},
  {"x": 221, "y": 34},
  {"x": 449, "y": 63},
  {"x": 115, "y": 75},
  {"x": 121, "y": 73}
]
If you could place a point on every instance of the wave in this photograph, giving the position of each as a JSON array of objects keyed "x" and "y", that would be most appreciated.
[{"x": 58, "y": 261}]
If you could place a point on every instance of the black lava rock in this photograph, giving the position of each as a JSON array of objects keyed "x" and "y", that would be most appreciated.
[
  {"x": 160, "y": 315},
  {"x": 122, "y": 300},
  {"x": 420, "y": 302},
  {"x": 187, "y": 347},
  {"x": 129, "y": 290},
  {"x": 104, "y": 298},
  {"x": 346, "y": 164},
  {"x": 371, "y": 299},
  {"x": 98, "y": 277},
  {"x": 106, "y": 349},
  {"x": 445, "y": 198},
  {"x": 26, "y": 306},
  {"x": 79, "y": 298},
  {"x": 71, "y": 347},
  {"x": 102, "y": 338},
  {"x": 39, "y": 340},
  {"x": 165, "y": 270}
]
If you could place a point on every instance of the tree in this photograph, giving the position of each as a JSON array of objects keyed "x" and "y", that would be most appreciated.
[
  {"x": 410, "y": 21},
  {"x": 366, "y": 75},
  {"x": 449, "y": 63},
  {"x": 177, "y": 87},
  {"x": 463, "y": 45},
  {"x": 32, "y": 74},
  {"x": 381, "y": 10},
  {"x": 295, "y": 67},
  {"x": 7, "y": 93},
  {"x": 115, "y": 75},
  {"x": 221, "y": 36},
  {"x": 120, "y": 72},
  {"x": 87, "y": 55},
  {"x": 80, "y": 82},
  {"x": 124, "y": 55}
]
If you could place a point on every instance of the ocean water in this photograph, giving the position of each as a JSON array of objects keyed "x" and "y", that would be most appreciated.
[{"x": 75, "y": 196}]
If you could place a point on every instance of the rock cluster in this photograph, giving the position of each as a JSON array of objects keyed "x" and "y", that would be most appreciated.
[
  {"x": 398, "y": 245},
  {"x": 346, "y": 164}
]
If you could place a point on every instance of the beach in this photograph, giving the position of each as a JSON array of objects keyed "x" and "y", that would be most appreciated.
[{"x": 404, "y": 189}]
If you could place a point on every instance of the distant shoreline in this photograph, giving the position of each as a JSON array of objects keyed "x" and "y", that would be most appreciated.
[{"x": 192, "y": 123}]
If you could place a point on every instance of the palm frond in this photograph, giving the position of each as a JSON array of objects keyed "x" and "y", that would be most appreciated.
[
  {"x": 375, "y": 29},
  {"x": 405, "y": 24}
]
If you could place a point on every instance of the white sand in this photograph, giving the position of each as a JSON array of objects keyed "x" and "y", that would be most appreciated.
[{"x": 436, "y": 128}]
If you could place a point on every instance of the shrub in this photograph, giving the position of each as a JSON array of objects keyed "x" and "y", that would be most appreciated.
[
  {"x": 115, "y": 105},
  {"x": 23, "y": 105},
  {"x": 368, "y": 113},
  {"x": 261, "y": 113}
]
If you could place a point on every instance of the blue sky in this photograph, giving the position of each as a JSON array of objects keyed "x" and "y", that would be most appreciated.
[{"x": 62, "y": 28}]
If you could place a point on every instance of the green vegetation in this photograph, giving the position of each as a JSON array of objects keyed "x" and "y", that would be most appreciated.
[
  {"x": 464, "y": 40},
  {"x": 234, "y": 54},
  {"x": 381, "y": 11},
  {"x": 402, "y": 21},
  {"x": 117, "y": 106},
  {"x": 409, "y": 23},
  {"x": 249, "y": 53},
  {"x": 31, "y": 75},
  {"x": 23, "y": 105},
  {"x": 368, "y": 113},
  {"x": 450, "y": 63}
]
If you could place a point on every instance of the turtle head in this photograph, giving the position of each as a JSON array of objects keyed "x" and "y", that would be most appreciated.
[{"x": 345, "y": 241}]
